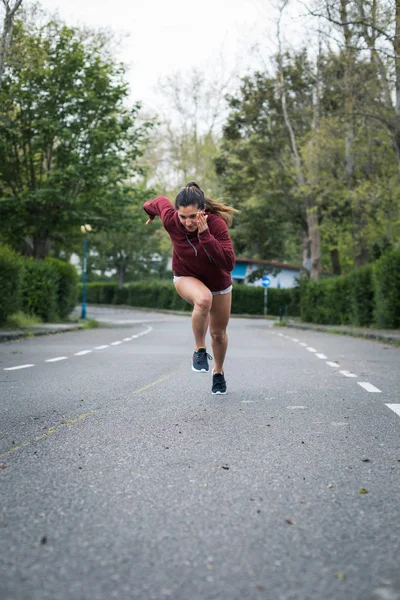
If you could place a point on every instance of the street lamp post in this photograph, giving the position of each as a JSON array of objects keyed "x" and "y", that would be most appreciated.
[{"x": 85, "y": 230}]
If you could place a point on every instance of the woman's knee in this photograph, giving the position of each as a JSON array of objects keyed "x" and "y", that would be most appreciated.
[
  {"x": 204, "y": 302},
  {"x": 218, "y": 335}
]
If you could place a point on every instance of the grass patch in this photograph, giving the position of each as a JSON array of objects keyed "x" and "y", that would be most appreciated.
[
  {"x": 282, "y": 323},
  {"x": 21, "y": 320},
  {"x": 90, "y": 324}
]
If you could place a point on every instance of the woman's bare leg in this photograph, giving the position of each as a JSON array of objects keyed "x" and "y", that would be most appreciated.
[
  {"x": 194, "y": 291},
  {"x": 219, "y": 318}
]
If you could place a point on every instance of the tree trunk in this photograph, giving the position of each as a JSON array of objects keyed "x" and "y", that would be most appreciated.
[
  {"x": 396, "y": 48},
  {"x": 121, "y": 274},
  {"x": 41, "y": 247},
  {"x": 311, "y": 210},
  {"x": 5, "y": 41},
  {"x": 37, "y": 246},
  {"x": 305, "y": 251},
  {"x": 7, "y": 34},
  {"x": 335, "y": 262},
  {"x": 315, "y": 241}
]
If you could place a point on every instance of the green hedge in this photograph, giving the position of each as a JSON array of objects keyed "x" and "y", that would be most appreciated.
[
  {"x": 10, "y": 282},
  {"x": 68, "y": 286},
  {"x": 327, "y": 301},
  {"x": 387, "y": 290},
  {"x": 246, "y": 299},
  {"x": 48, "y": 289},
  {"x": 369, "y": 295},
  {"x": 362, "y": 295},
  {"x": 39, "y": 290}
]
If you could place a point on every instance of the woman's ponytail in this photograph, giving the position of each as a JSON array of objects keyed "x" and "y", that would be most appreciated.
[{"x": 193, "y": 194}]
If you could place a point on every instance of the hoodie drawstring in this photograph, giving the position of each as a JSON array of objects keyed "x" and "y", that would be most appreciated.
[{"x": 195, "y": 249}]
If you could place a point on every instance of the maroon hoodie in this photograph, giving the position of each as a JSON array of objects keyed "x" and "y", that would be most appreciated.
[{"x": 208, "y": 256}]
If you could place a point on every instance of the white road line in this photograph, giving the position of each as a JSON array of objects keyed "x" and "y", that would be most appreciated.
[
  {"x": 311, "y": 349},
  {"x": 148, "y": 331},
  {"x": 395, "y": 408},
  {"x": 19, "y": 367},
  {"x": 127, "y": 339},
  {"x": 321, "y": 356},
  {"x": 348, "y": 374},
  {"x": 56, "y": 359},
  {"x": 369, "y": 387},
  {"x": 280, "y": 334},
  {"x": 333, "y": 364},
  {"x": 295, "y": 339},
  {"x": 115, "y": 343},
  {"x": 82, "y": 352},
  {"x": 102, "y": 347},
  {"x": 303, "y": 344}
]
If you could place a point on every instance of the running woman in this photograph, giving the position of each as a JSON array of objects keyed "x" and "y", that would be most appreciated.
[{"x": 202, "y": 262}]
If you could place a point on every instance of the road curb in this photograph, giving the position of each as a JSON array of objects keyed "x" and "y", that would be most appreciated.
[
  {"x": 370, "y": 335},
  {"x": 28, "y": 333}
]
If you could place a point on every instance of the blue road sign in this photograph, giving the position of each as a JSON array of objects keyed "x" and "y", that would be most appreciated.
[{"x": 265, "y": 281}]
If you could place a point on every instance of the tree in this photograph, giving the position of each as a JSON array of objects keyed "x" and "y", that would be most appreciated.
[
  {"x": 69, "y": 142},
  {"x": 256, "y": 171},
  {"x": 127, "y": 247},
  {"x": 186, "y": 142},
  {"x": 6, "y": 36}
]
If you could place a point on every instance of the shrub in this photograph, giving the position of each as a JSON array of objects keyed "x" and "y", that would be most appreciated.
[
  {"x": 68, "y": 287},
  {"x": 10, "y": 282},
  {"x": 327, "y": 301},
  {"x": 387, "y": 290},
  {"x": 362, "y": 295},
  {"x": 39, "y": 289}
]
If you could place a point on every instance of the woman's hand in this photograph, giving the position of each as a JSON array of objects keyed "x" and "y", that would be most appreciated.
[
  {"x": 202, "y": 222},
  {"x": 149, "y": 220}
]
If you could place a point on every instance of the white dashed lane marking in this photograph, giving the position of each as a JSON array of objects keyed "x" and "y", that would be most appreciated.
[
  {"x": 369, "y": 387},
  {"x": 19, "y": 367},
  {"x": 332, "y": 364},
  {"x": 81, "y": 352},
  {"x": 348, "y": 374},
  {"x": 335, "y": 365},
  {"x": 395, "y": 408}
]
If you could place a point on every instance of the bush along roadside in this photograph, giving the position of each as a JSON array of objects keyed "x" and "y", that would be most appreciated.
[
  {"x": 246, "y": 299},
  {"x": 10, "y": 282},
  {"x": 47, "y": 289},
  {"x": 368, "y": 296}
]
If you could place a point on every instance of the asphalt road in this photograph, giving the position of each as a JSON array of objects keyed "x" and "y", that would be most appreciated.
[{"x": 123, "y": 477}]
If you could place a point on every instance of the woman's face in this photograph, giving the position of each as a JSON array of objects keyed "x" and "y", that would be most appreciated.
[{"x": 188, "y": 216}]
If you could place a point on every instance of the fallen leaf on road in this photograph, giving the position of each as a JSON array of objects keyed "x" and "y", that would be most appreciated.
[
  {"x": 2, "y": 466},
  {"x": 290, "y": 522},
  {"x": 365, "y": 460},
  {"x": 340, "y": 576},
  {"x": 330, "y": 485},
  {"x": 363, "y": 491}
]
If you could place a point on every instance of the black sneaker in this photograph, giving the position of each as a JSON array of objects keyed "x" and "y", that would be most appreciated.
[
  {"x": 200, "y": 361},
  {"x": 219, "y": 384}
]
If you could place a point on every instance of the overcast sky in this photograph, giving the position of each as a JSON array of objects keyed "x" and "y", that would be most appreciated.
[{"x": 165, "y": 36}]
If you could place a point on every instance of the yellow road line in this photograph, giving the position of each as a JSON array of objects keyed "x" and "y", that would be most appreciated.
[
  {"x": 53, "y": 430},
  {"x": 48, "y": 433},
  {"x": 146, "y": 387}
]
